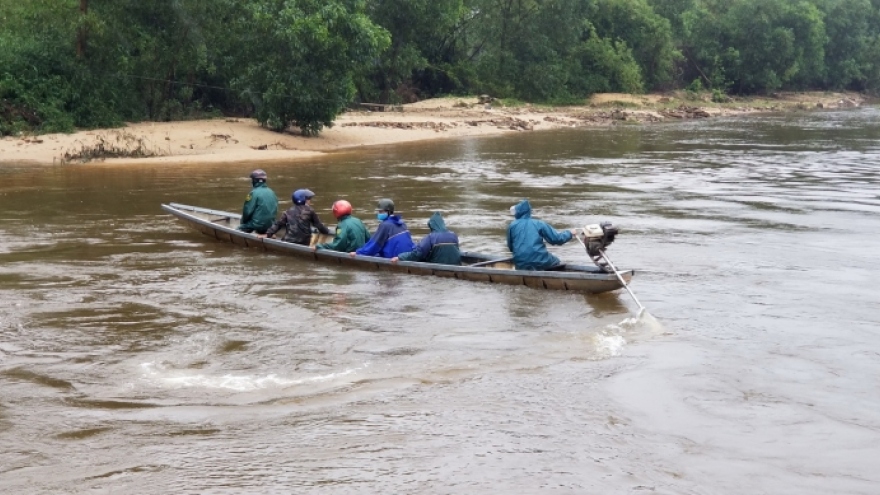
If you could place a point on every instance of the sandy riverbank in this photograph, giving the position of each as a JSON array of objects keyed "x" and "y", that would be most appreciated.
[{"x": 236, "y": 139}]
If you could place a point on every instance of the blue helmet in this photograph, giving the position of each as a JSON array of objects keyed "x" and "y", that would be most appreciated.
[{"x": 300, "y": 196}]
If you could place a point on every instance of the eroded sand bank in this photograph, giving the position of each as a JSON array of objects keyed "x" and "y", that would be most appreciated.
[{"x": 237, "y": 139}]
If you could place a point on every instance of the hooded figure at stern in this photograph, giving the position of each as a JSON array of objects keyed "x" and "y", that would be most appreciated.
[{"x": 526, "y": 237}]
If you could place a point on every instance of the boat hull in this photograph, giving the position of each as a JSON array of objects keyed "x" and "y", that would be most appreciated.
[{"x": 222, "y": 225}]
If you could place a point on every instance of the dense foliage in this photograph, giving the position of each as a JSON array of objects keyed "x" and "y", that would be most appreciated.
[{"x": 298, "y": 63}]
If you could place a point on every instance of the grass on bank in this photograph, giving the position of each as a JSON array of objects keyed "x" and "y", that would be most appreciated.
[{"x": 110, "y": 144}]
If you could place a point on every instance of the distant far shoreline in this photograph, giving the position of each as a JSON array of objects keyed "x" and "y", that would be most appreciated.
[{"x": 243, "y": 140}]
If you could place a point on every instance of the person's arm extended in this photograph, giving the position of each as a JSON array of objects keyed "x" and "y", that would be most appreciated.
[
  {"x": 340, "y": 241},
  {"x": 317, "y": 223},
  {"x": 552, "y": 236},
  {"x": 421, "y": 251},
  {"x": 374, "y": 245},
  {"x": 281, "y": 222}
]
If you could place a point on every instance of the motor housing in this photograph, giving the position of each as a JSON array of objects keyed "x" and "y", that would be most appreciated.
[{"x": 597, "y": 238}]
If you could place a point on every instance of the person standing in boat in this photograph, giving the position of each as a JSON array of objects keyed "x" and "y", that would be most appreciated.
[
  {"x": 260, "y": 205},
  {"x": 526, "y": 237},
  {"x": 391, "y": 238},
  {"x": 440, "y": 246},
  {"x": 351, "y": 233},
  {"x": 299, "y": 220}
]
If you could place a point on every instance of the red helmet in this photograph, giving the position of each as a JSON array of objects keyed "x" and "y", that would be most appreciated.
[{"x": 341, "y": 208}]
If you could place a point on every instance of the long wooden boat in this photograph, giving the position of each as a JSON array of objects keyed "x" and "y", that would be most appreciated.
[{"x": 475, "y": 267}]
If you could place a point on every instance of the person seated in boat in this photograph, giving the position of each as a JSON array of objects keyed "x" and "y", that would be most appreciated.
[
  {"x": 526, "y": 237},
  {"x": 260, "y": 205},
  {"x": 391, "y": 238},
  {"x": 299, "y": 220},
  {"x": 439, "y": 246},
  {"x": 351, "y": 233}
]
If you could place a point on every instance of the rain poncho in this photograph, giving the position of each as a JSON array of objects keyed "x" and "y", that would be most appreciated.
[
  {"x": 440, "y": 246},
  {"x": 525, "y": 239},
  {"x": 390, "y": 239},
  {"x": 260, "y": 209}
]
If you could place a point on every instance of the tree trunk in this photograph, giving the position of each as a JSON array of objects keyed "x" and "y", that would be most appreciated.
[{"x": 82, "y": 32}]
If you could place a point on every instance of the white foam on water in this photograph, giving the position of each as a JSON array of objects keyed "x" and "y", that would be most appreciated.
[
  {"x": 611, "y": 341},
  {"x": 238, "y": 383},
  {"x": 608, "y": 345},
  {"x": 644, "y": 324}
]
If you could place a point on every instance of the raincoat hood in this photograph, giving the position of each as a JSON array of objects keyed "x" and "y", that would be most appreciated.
[
  {"x": 396, "y": 220},
  {"x": 436, "y": 223},
  {"x": 523, "y": 210}
]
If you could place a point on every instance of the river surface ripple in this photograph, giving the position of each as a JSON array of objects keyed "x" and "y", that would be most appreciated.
[{"x": 139, "y": 357}]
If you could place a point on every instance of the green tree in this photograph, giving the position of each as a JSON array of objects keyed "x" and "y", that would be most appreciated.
[
  {"x": 647, "y": 34},
  {"x": 853, "y": 30},
  {"x": 301, "y": 57},
  {"x": 36, "y": 66},
  {"x": 162, "y": 51},
  {"x": 97, "y": 63},
  {"x": 778, "y": 43},
  {"x": 422, "y": 38},
  {"x": 673, "y": 11},
  {"x": 548, "y": 51},
  {"x": 603, "y": 65}
]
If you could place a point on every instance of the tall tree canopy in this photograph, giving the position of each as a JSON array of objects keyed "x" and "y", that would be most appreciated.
[
  {"x": 301, "y": 57},
  {"x": 299, "y": 63}
]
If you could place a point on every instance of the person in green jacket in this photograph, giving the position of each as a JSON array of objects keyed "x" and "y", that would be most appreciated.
[
  {"x": 351, "y": 233},
  {"x": 260, "y": 205}
]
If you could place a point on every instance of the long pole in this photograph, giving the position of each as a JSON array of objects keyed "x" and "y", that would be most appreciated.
[
  {"x": 625, "y": 286},
  {"x": 619, "y": 277}
]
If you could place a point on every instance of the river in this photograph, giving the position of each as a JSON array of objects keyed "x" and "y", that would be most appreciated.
[{"x": 139, "y": 357}]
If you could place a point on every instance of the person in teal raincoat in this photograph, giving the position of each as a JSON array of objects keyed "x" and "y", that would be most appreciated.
[
  {"x": 526, "y": 237},
  {"x": 260, "y": 205}
]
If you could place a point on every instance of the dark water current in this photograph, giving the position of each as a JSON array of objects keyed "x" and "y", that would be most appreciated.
[{"x": 139, "y": 357}]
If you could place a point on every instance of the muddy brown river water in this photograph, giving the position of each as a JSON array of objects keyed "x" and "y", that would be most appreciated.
[{"x": 139, "y": 357}]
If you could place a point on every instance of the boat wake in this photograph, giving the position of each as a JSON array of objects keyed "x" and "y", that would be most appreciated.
[
  {"x": 240, "y": 383},
  {"x": 611, "y": 341}
]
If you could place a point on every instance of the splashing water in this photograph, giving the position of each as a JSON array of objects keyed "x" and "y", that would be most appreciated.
[
  {"x": 608, "y": 345},
  {"x": 645, "y": 321}
]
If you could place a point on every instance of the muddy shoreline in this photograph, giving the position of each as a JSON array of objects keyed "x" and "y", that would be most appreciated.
[{"x": 237, "y": 140}]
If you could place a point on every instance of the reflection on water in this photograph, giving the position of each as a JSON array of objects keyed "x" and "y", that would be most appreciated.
[{"x": 179, "y": 364}]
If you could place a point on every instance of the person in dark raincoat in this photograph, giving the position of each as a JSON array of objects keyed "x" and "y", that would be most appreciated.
[
  {"x": 391, "y": 238},
  {"x": 351, "y": 233},
  {"x": 299, "y": 220},
  {"x": 260, "y": 205},
  {"x": 526, "y": 237},
  {"x": 439, "y": 246}
]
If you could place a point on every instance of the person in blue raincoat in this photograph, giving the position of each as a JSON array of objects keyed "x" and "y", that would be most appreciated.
[
  {"x": 440, "y": 246},
  {"x": 526, "y": 237},
  {"x": 391, "y": 238}
]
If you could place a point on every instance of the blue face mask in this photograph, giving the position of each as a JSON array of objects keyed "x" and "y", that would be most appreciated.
[{"x": 382, "y": 216}]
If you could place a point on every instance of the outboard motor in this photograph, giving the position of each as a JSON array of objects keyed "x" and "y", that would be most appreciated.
[{"x": 597, "y": 238}]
